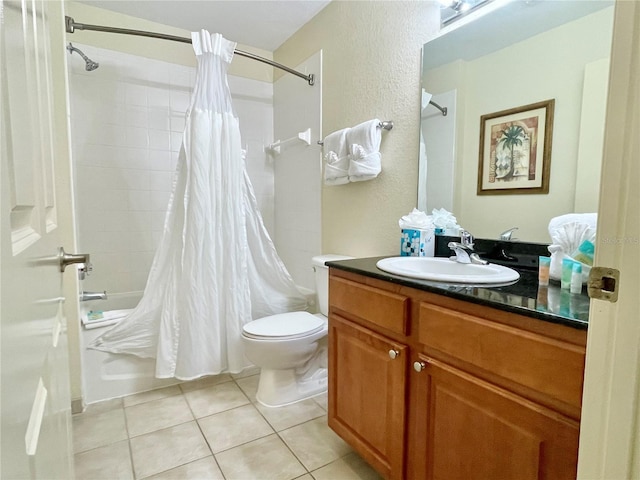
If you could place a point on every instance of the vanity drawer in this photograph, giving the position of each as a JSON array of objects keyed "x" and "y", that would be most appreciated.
[
  {"x": 549, "y": 366},
  {"x": 382, "y": 308}
]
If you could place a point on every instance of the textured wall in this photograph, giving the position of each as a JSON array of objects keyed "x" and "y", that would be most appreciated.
[{"x": 371, "y": 69}]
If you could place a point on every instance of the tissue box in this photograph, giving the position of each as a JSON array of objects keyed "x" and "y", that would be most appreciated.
[{"x": 416, "y": 243}]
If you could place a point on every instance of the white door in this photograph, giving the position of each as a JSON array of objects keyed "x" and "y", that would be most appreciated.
[
  {"x": 610, "y": 427},
  {"x": 34, "y": 177}
]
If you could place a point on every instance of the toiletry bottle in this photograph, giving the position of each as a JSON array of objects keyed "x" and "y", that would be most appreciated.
[
  {"x": 584, "y": 253},
  {"x": 565, "y": 303},
  {"x": 567, "y": 269},
  {"x": 576, "y": 278},
  {"x": 542, "y": 300},
  {"x": 543, "y": 270}
]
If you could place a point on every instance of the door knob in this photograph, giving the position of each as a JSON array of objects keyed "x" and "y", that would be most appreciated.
[
  {"x": 69, "y": 258},
  {"x": 393, "y": 354},
  {"x": 419, "y": 366}
]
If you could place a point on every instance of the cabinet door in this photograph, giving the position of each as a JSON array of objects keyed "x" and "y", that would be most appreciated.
[
  {"x": 471, "y": 429},
  {"x": 367, "y": 391}
]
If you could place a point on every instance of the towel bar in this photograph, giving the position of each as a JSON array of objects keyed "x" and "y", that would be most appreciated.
[
  {"x": 386, "y": 125},
  {"x": 305, "y": 137}
]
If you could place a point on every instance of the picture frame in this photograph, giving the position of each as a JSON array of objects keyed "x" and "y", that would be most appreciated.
[{"x": 515, "y": 150}]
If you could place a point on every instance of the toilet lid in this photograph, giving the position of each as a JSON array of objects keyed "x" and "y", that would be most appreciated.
[{"x": 291, "y": 325}]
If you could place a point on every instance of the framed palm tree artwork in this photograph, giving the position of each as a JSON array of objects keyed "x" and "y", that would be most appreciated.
[{"x": 515, "y": 150}]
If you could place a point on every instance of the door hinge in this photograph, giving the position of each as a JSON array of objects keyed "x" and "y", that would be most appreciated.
[{"x": 603, "y": 283}]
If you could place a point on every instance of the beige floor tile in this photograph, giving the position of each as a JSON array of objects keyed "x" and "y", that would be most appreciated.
[
  {"x": 97, "y": 430},
  {"x": 234, "y": 427},
  {"x": 104, "y": 406},
  {"x": 314, "y": 443},
  {"x": 350, "y": 467},
  {"x": 282, "y": 418},
  {"x": 138, "y": 398},
  {"x": 322, "y": 400},
  {"x": 305, "y": 477},
  {"x": 204, "y": 382},
  {"x": 111, "y": 462},
  {"x": 203, "y": 469},
  {"x": 247, "y": 372},
  {"x": 157, "y": 414},
  {"x": 216, "y": 399},
  {"x": 249, "y": 386},
  {"x": 166, "y": 449},
  {"x": 266, "y": 458}
]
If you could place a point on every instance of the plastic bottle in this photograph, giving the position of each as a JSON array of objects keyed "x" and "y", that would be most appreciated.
[
  {"x": 567, "y": 270},
  {"x": 576, "y": 278},
  {"x": 543, "y": 270},
  {"x": 584, "y": 253}
]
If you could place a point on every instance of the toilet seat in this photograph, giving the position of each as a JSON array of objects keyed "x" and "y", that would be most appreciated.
[{"x": 284, "y": 326}]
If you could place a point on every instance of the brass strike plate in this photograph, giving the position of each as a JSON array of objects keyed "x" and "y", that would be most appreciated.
[{"x": 603, "y": 283}]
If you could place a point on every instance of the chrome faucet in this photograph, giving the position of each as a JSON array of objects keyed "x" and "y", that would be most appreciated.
[
  {"x": 464, "y": 250},
  {"x": 507, "y": 234},
  {"x": 466, "y": 239},
  {"x": 86, "y": 296}
]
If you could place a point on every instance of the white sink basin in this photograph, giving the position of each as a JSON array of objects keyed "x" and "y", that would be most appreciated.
[{"x": 440, "y": 269}]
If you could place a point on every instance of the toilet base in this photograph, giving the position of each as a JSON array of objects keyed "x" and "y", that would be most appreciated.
[{"x": 278, "y": 388}]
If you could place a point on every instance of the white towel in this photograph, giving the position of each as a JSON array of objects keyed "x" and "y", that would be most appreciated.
[
  {"x": 336, "y": 158},
  {"x": 110, "y": 317},
  {"x": 567, "y": 233},
  {"x": 364, "y": 155}
]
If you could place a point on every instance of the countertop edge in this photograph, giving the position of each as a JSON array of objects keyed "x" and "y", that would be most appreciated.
[{"x": 374, "y": 272}]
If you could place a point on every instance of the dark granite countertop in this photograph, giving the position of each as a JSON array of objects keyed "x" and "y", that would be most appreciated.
[{"x": 524, "y": 297}]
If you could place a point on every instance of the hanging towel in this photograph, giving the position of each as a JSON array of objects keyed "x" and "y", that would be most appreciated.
[
  {"x": 336, "y": 158},
  {"x": 364, "y": 154}
]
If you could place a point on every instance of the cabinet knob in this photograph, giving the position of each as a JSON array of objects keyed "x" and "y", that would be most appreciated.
[
  {"x": 393, "y": 354},
  {"x": 419, "y": 366}
]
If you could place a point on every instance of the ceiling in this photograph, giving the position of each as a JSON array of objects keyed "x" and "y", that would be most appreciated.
[{"x": 264, "y": 24}]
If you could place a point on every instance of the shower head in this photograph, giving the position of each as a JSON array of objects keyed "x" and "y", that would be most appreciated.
[{"x": 90, "y": 64}]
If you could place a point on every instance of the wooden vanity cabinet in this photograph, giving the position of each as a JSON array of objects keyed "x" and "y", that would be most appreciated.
[
  {"x": 428, "y": 387},
  {"x": 369, "y": 373},
  {"x": 368, "y": 381},
  {"x": 471, "y": 428}
]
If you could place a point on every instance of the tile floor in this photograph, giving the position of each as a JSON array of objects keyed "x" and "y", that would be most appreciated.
[{"x": 211, "y": 428}]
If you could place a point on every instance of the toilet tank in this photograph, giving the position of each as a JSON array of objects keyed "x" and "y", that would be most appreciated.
[{"x": 322, "y": 278}]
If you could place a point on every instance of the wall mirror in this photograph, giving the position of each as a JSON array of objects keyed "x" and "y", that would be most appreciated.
[{"x": 517, "y": 54}]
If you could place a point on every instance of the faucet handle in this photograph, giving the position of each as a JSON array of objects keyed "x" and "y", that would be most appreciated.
[
  {"x": 84, "y": 269},
  {"x": 466, "y": 239},
  {"x": 507, "y": 234}
]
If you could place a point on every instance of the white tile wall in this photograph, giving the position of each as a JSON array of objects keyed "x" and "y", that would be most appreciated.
[
  {"x": 440, "y": 143},
  {"x": 298, "y": 168},
  {"x": 127, "y": 119}
]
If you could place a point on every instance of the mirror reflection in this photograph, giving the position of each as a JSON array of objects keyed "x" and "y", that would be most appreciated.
[{"x": 517, "y": 54}]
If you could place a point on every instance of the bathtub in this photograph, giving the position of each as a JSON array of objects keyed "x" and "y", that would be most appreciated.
[{"x": 107, "y": 375}]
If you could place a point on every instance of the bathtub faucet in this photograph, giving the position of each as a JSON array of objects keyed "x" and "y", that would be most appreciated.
[{"x": 86, "y": 296}]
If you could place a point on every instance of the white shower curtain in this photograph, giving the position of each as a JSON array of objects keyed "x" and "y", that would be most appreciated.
[{"x": 216, "y": 267}]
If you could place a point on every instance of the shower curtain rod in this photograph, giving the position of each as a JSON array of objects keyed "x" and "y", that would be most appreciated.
[
  {"x": 71, "y": 26},
  {"x": 442, "y": 109}
]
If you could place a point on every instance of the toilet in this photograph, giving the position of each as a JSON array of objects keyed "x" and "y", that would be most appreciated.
[{"x": 291, "y": 348}]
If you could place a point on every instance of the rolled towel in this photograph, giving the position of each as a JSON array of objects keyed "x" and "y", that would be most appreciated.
[
  {"x": 364, "y": 151},
  {"x": 336, "y": 158}
]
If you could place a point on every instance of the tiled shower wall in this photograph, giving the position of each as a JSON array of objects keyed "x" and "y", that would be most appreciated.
[
  {"x": 298, "y": 171},
  {"x": 127, "y": 119}
]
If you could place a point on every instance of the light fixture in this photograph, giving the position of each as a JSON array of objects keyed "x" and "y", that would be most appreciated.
[{"x": 451, "y": 10}]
